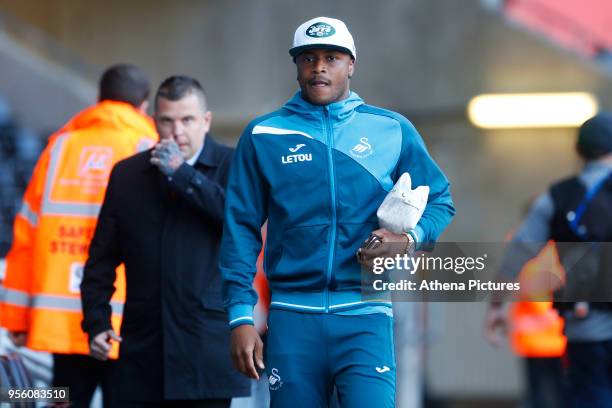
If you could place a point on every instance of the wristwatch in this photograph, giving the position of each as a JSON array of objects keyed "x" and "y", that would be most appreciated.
[{"x": 410, "y": 245}]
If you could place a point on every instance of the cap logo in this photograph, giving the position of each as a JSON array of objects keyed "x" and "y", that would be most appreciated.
[{"x": 320, "y": 30}]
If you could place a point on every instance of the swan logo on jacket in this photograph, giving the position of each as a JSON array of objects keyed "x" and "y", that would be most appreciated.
[
  {"x": 274, "y": 380},
  {"x": 362, "y": 149},
  {"x": 296, "y": 157}
]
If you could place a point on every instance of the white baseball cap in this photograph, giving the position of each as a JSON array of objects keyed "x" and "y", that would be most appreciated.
[{"x": 323, "y": 32}]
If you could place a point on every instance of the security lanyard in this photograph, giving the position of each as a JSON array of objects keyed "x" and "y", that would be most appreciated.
[{"x": 579, "y": 213}]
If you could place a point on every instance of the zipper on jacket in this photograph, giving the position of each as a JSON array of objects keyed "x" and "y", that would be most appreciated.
[{"x": 332, "y": 187}]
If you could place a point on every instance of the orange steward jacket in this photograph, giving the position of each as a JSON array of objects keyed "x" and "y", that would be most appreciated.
[
  {"x": 40, "y": 293},
  {"x": 536, "y": 329}
]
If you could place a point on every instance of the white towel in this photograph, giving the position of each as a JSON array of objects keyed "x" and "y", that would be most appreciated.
[{"x": 403, "y": 207}]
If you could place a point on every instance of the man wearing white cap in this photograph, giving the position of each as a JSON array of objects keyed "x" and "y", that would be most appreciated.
[{"x": 317, "y": 170}]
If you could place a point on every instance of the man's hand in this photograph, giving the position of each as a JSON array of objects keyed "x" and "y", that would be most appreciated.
[
  {"x": 247, "y": 350},
  {"x": 378, "y": 249},
  {"x": 167, "y": 156},
  {"x": 495, "y": 322},
  {"x": 19, "y": 338},
  {"x": 101, "y": 344}
]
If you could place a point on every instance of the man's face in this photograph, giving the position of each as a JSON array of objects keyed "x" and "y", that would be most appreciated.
[
  {"x": 186, "y": 121},
  {"x": 324, "y": 75}
]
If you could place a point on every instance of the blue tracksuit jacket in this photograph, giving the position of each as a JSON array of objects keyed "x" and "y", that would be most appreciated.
[{"x": 318, "y": 174}]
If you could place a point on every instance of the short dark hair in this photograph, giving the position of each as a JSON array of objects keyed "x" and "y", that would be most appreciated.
[
  {"x": 595, "y": 137},
  {"x": 124, "y": 83},
  {"x": 179, "y": 86}
]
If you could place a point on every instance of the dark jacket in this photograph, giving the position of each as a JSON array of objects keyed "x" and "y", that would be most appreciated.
[
  {"x": 167, "y": 231},
  {"x": 586, "y": 263}
]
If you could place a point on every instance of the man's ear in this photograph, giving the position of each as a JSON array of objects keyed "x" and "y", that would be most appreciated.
[
  {"x": 143, "y": 107},
  {"x": 351, "y": 68},
  {"x": 208, "y": 120}
]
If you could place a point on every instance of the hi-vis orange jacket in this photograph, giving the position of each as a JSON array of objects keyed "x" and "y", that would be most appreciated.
[
  {"x": 536, "y": 329},
  {"x": 53, "y": 230}
]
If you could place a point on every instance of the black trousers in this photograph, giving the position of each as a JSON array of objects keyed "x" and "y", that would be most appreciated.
[
  {"x": 545, "y": 382},
  {"x": 82, "y": 374},
  {"x": 589, "y": 374}
]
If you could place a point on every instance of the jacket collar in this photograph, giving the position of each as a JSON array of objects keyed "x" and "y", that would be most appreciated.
[
  {"x": 339, "y": 112},
  {"x": 210, "y": 152},
  {"x": 119, "y": 115}
]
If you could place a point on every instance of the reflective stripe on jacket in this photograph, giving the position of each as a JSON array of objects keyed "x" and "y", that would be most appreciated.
[{"x": 52, "y": 232}]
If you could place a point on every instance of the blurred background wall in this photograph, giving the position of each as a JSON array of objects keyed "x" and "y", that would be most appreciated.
[{"x": 423, "y": 58}]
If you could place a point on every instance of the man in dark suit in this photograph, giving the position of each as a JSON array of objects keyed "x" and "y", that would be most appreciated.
[{"x": 162, "y": 217}]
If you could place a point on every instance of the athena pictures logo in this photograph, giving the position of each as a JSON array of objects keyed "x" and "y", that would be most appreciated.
[{"x": 320, "y": 30}]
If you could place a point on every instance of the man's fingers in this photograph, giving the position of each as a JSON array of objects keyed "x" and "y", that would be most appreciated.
[
  {"x": 382, "y": 234},
  {"x": 98, "y": 353},
  {"x": 246, "y": 348},
  {"x": 102, "y": 344},
  {"x": 249, "y": 364},
  {"x": 159, "y": 153},
  {"x": 96, "y": 349},
  {"x": 167, "y": 146},
  {"x": 495, "y": 325},
  {"x": 494, "y": 337},
  {"x": 240, "y": 360},
  {"x": 259, "y": 354},
  {"x": 115, "y": 336},
  {"x": 372, "y": 240},
  {"x": 104, "y": 347},
  {"x": 238, "y": 363},
  {"x": 163, "y": 146},
  {"x": 99, "y": 356},
  {"x": 171, "y": 144},
  {"x": 379, "y": 251}
]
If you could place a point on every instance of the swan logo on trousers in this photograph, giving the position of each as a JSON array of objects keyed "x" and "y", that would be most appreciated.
[
  {"x": 362, "y": 149},
  {"x": 296, "y": 158},
  {"x": 275, "y": 380}
]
